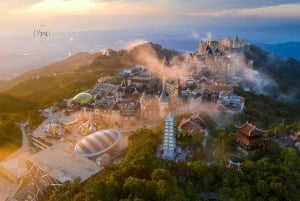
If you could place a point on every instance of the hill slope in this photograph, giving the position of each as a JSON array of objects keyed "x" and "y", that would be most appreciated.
[
  {"x": 66, "y": 78},
  {"x": 285, "y": 71},
  {"x": 68, "y": 65},
  {"x": 289, "y": 49}
]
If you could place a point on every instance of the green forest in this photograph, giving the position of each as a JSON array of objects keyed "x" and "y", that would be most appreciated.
[
  {"x": 265, "y": 112},
  {"x": 272, "y": 173}
]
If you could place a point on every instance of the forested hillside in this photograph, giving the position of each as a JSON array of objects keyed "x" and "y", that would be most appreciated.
[
  {"x": 271, "y": 173},
  {"x": 285, "y": 71}
]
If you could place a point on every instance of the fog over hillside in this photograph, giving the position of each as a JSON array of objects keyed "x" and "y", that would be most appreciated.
[{"x": 21, "y": 53}]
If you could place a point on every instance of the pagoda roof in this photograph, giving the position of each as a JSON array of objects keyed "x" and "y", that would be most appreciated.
[{"x": 249, "y": 130}]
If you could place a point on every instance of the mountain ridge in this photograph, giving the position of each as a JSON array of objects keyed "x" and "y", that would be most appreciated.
[{"x": 288, "y": 49}]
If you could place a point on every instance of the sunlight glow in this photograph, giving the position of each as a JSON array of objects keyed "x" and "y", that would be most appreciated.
[
  {"x": 61, "y": 7},
  {"x": 88, "y": 7}
]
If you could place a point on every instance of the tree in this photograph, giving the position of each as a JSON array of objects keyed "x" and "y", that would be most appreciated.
[
  {"x": 190, "y": 191},
  {"x": 242, "y": 193},
  {"x": 139, "y": 188},
  {"x": 288, "y": 156},
  {"x": 248, "y": 165},
  {"x": 66, "y": 191}
]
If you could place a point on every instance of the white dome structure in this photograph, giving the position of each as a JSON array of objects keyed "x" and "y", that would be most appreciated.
[
  {"x": 83, "y": 98},
  {"x": 98, "y": 143}
]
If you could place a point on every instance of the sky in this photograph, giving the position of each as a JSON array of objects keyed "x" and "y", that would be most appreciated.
[{"x": 83, "y": 15}]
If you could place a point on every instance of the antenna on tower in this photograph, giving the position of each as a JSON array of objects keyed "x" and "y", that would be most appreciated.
[{"x": 163, "y": 72}]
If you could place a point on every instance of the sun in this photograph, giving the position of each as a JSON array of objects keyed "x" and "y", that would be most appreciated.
[{"x": 63, "y": 7}]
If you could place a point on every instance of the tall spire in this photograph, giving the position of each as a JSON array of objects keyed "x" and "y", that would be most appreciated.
[
  {"x": 163, "y": 82},
  {"x": 163, "y": 70},
  {"x": 163, "y": 99},
  {"x": 163, "y": 96}
]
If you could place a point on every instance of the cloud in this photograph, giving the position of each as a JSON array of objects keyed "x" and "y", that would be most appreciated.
[
  {"x": 16, "y": 4},
  {"x": 229, "y": 4},
  {"x": 131, "y": 44},
  {"x": 211, "y": 4},
  {"x": 199, "y": 8},
  {"x": 211, "y": 8}
]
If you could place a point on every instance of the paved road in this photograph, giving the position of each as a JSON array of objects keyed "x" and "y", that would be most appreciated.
[
  {"x": 7, "y": 187},
  {"x": 23, "y": 148}
]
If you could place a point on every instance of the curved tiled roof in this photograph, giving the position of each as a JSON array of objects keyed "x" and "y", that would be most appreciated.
[
  {"x": 98, "y": 142},
  {"x": 249, "y": 130}
]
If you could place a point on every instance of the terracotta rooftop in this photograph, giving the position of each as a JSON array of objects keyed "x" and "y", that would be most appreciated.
[
  {"x": 215, "y": 88},
  {"x": 250, "y": 130}
]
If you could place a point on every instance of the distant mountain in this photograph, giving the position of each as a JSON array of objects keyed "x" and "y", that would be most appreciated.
[
  {"x": 64, "y": 66},
  {"x": 80, "y": 72},
  {"x": 289, "y": 49}
]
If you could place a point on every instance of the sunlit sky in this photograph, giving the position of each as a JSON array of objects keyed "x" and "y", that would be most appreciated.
[{"x": 79, "y": 15}]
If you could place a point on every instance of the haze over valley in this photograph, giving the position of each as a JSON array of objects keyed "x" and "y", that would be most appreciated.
[{"x": 23, "y": 52}]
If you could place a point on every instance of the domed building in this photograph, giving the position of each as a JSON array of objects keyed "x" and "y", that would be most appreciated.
[
  {"x": 83, "y": 98},
  {"x": 98, "y": 143}
]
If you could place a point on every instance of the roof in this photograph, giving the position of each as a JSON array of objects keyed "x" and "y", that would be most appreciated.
[
  {"x": 142, "y": 74},
  {"x": 61, "y": 163},
  {"x": 295, "y": 137},
  {"x": 249, "y": 130},
  {"x": 98, "y": 143},
  {"x": 124, "y": 74},
  {"x": 170, "y": 117},
  {"x": 163, "y": 97},
  {"x": 220, "y": 82},
  {"x": 194, "y": 122},
  {"x": 83, "y": 98},
  {"x": 215, "y": 88}
]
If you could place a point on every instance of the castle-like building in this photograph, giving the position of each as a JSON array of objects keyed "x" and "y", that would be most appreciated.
[{"x": 215, "y": 47}]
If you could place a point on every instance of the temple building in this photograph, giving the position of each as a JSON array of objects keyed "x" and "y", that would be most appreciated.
[
  {"x": 230, "y": 103},
  {"x": 192, "y": 124},
  {"x": 234, "y": 165},
  {"x": 142, "y": 79},
  {"x": 169, "y": 138},
  {"x": 249, "y": 137}
]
